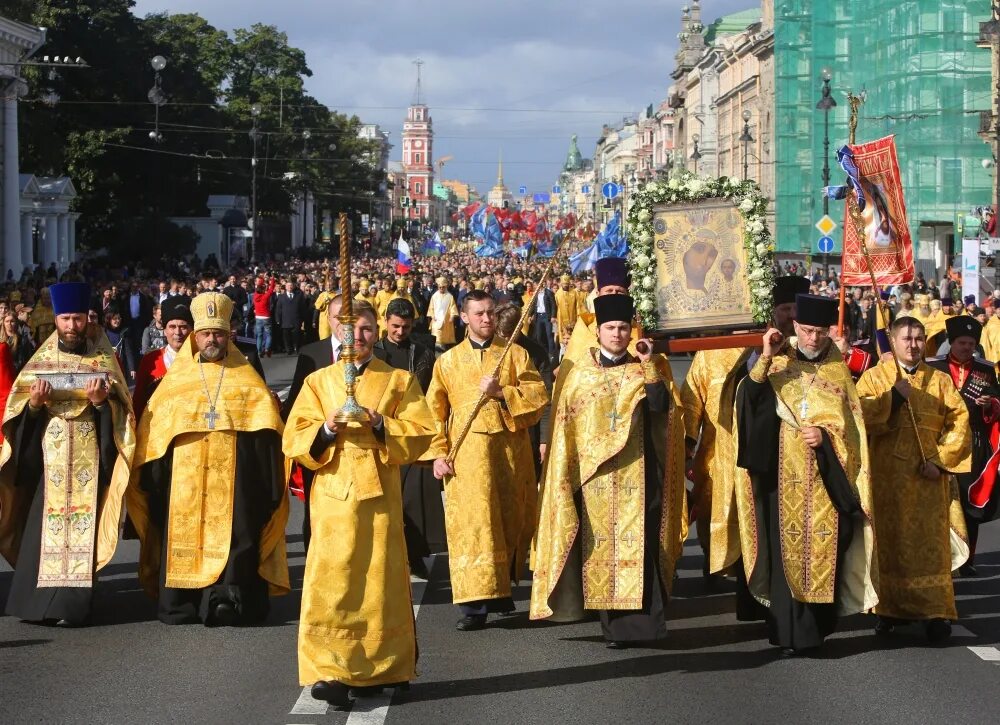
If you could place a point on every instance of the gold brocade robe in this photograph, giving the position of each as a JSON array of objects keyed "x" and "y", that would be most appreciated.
[
  {"x": 442, "y": 310},
  {"x": 807, "y": 519},
  {"x": 491, "y": 500},
  {"x": 919, "y": 524},
  {"x": 204, "y": 470},
  {"x": 991, "y": 340},
  {"x": 382, "y": 298},
  {"x": 322, "y": 302},
  {"x": 80, "y": 534},
  {"x": 708, "y": 395},
  {"x": 567, "y": 310},
  {"x": 356, "y": 624},
  {"x": 41, "y": 321},
  {"x": 606, "y": 467}
]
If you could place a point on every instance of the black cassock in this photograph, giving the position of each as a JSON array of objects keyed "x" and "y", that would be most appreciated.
[
  {"x": 423, "y": 510},
  {"x": 27, "y": 600},
  {"x": 650, "y": 622},
  {"x": 258, "y": 491},
  {"x": 791, "y": 624}
]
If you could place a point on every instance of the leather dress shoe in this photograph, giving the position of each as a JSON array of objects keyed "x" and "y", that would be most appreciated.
[
  {"x": 884, "y": 627},
  {"x": 617, "y": 644},
  {"x": 471, "y": 623},
  {"x": 369, "y": 691},
  {"x": 71, "y": 623},
  {"x": 336, "y": 693},
  {"x": 223, "y": 615},
  {"x": 938, "y": 631},
  {"x": 419, "y": 569},
  {"x": 968, "y": 569}
]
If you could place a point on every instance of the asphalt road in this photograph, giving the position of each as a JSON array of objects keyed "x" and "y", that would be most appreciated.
[{"x": 129, "y": 668}]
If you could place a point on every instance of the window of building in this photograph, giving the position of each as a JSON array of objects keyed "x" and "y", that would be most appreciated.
[
  {"x": 416, "y": 158},
  {"x": 418, "y": 188}
]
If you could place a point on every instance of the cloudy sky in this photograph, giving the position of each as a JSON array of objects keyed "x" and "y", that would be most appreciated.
[{"x": 497, "y": 76}]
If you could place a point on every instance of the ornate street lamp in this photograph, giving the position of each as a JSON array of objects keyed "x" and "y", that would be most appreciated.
[
  {"x": 156, "y": 96},
  {"x": 747, "y": 139},
  {"x": 255, "y": 111},
  {"x": 826, "y": 104}
]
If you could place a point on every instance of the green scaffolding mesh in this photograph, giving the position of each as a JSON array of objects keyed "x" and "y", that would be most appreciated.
[{"x": 926, "y": 82}]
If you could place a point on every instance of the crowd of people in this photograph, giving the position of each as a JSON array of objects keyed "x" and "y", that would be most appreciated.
[{"x": 823, "y": 489}]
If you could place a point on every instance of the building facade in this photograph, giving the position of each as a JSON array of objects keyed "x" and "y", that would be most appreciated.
[{"x": 418, "y": 157}]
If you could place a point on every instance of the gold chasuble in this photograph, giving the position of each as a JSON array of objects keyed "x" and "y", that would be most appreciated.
[
  {"x": 322, "y": 302},
  {"x": 81, "y": 524},
  {"x": 919, "y": 524},
  {"x": 567, "y": 311},
  {"x": 708, "y": 396},
  {"x": 821, "y": 394},
  {"x": 491, "y": 500},
  {"x": 356, "y": 625},
  {"x": 991, "y": 340},
  {"x": 595, "y": 560},
  {"x": 200, "y": 510}
]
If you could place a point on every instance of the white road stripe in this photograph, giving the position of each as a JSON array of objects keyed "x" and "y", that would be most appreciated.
[
  {"x": 369, "y": 710},
  {"x": 990, "y": 654}
]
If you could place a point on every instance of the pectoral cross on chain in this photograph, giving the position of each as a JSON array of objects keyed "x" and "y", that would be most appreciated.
[
  {"x": 614, "y": 418},
  {"x": 211, "y": 416},
  {"x": 803, "y": 410}
]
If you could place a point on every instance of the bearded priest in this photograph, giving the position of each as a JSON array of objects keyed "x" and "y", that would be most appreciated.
[
  {"x": 68, "y": 440},
  {"x": 208, "y": 493},
  {"x": 356, "y": 630},
  {"x": 805, "y": 509},
  {"x": 918, "y": 515},
  {"x": 613, "y": 516}
]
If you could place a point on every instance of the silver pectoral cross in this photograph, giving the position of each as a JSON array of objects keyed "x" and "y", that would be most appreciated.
[
  {"x": 211, "y": 416},
  {"x": 614, "y": 418},
  {"x": 804, "y": 409}
]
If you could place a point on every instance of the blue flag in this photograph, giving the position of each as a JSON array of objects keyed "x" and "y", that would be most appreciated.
[
  {"x": 477, "y": 222},
  {"x": 611, "y": 241},
  {"x": 492, "y": 236},
  {"x": 434, "y": 247},
  {"x": 584, "y": 260}
]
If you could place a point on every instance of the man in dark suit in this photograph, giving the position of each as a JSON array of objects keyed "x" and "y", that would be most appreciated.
[
  {"x": 288, "y": 316},
  {"x": 423, "y": 510},
  {"x": 312, "y": 357},
  {"x": 138, "y": 309},
  {"x": 545, "y": 314}
]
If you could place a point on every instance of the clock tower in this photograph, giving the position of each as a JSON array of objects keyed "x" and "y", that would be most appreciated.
[{"x": 418, "y": 141}]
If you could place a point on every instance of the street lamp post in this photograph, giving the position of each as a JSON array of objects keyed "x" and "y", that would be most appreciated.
[
  {"x": 156, "y": 96},
  {"x": 826, "y": 104},
  {"x": 306, "y": 135},
  {"x": 747, "y": 139},
  {"x": 255, "y": 111}
]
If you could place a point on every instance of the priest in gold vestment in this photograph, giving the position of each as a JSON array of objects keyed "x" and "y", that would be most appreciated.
[
  {"x": 708, "y": 395},
  {"x": 208, "y": 495},
  {"x": 805, "y": 509},
  {"x": 356, "y": 628},
  {"x": 613, "y": 517},
  {"x": 567, "y": 310},
  {"x": 490, "y": 489},
  {"x": 919, "y": 523},
  {"x": 64, "y": 467}
]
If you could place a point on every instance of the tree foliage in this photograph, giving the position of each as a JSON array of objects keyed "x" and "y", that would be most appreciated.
[{"x": 129, "y": 184}]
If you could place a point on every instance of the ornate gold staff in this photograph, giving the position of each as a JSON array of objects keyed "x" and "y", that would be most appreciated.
[
  {"x": 859, "y": 229},
  {"x": 464, "y": 430},
  {"x": 350, "y": 412}
]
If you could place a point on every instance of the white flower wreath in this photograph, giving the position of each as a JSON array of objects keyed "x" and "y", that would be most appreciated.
[{"x": 757, "y": 242}]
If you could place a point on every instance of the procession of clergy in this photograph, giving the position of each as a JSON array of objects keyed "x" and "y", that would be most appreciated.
[{"x": 822, "y": 497}]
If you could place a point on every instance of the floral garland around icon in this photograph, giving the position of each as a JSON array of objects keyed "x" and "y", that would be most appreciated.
[{"x": 757, "y": 241}]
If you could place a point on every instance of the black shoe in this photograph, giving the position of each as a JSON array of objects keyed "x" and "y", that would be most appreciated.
[
  {"x": 336, "y": 693},
  {"x": 71, "y": 623},
  {"x": 938, "y": 631},
  {"x": 884, "y": 627},
  {"x": 968, "y": 569},
  {"x": 223, "y": 615},
  {"x": 419, "y": 569},
  {"x": 471, "y": 623},
  {"x": 370, "y": 691},
  {"x": 788, "y": 653},
  {"x": 617, "y": 644}
]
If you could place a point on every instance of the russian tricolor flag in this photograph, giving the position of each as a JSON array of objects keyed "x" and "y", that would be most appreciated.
[{"x": 403, "y": 261}]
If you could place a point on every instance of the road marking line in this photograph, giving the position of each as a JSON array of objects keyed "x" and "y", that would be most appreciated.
[
  {"x": 367, "y": 711},
  {"x": 990, "y": 654},
  {"x": 309, "y": 705}
]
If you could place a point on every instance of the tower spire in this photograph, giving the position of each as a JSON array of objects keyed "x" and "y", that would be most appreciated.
[
  {"x": 500, "y": 168},
  {"x": 418, "y": 94}
]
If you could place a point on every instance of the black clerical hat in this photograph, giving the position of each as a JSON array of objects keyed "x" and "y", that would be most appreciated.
[
  {"x": 614, "y": 308},
  {"x": 611, "y": 271},
  {"x": 785, "y": 288},
  {"x": 816, "y": 310},
  {"x": 963, "y": 326},
  {"x": 70, "y": 298},
  {"x": 176, "y": 308}
]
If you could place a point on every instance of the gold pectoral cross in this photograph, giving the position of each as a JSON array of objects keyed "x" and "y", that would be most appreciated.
[
  {"x": 211, "y": 416},
  {"x": 614, "y": 418}
]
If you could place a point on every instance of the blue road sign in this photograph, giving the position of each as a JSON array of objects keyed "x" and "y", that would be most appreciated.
[
  {"x": 556, "y": 189},
  {"x": 825, "y": 244},
  {"x": 540, "y": 198},
  {"x": 610, "y": 190},
  {"x": 522, "y": 190},
  {"x": 585, "y": 188}
]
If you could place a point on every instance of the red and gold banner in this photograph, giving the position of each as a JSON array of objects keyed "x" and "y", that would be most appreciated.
[{"x": 886, "y": 231}]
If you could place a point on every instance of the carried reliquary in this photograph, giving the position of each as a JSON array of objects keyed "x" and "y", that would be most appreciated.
[{"x": 72, "y": 385}]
